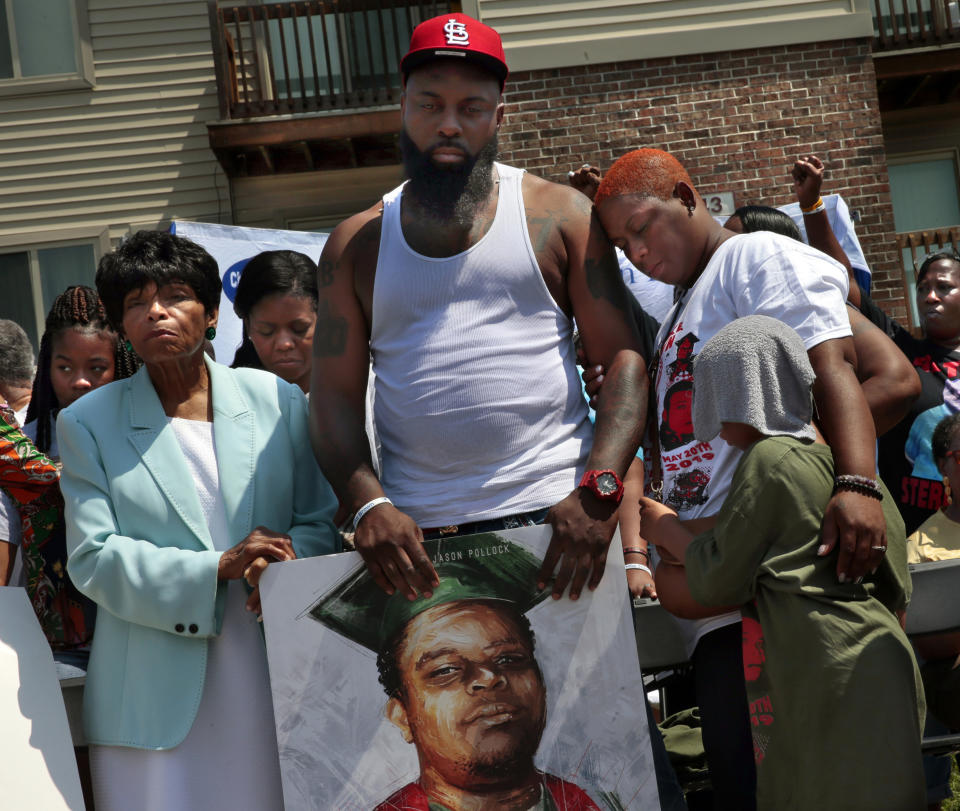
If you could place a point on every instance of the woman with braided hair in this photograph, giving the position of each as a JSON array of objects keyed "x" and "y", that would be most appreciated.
[
  {"x": 76, "y": 329},
  {"x": 79, "y": 352}
]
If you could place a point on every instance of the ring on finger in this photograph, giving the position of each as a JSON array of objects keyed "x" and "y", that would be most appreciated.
[{"x": 879, "y": 548}]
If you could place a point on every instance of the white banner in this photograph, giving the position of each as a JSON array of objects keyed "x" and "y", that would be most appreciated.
[{"x": 38, "y": 769}]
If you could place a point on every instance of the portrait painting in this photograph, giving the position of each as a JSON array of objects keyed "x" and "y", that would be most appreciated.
[{"x": 487, "y": 693}]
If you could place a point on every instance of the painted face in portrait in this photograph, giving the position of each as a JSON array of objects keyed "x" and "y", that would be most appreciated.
[{"x": 472, "y": 697}]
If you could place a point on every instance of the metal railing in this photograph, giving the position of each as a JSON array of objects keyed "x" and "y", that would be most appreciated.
[
  {"x": 301, "y": 57},
  {"x": 903, "y": 24}
]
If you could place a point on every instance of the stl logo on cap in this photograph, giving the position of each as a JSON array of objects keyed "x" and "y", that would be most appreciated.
[
  {"x": 459, "y": 36},
  {"x": 456, "y": 32}
]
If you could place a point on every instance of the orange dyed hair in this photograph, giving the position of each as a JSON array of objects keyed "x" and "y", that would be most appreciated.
[{"x": 643, "y": 172}]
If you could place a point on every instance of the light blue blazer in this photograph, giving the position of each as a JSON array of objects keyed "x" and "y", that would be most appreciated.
[{"x": 139, "y": 546}]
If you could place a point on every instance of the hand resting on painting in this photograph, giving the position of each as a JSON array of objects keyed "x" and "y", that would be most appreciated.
[{"x": 249, "y": 559}]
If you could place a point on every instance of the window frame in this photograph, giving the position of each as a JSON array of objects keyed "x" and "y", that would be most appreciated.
[
  {"x": 98, "y": 239},
  {"x": 81, "y": 79}
]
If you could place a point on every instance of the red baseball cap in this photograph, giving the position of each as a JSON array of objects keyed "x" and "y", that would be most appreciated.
[{"x": 456, "y": 35}]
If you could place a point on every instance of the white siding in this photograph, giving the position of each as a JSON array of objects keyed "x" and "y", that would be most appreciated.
[
  {"x": 132, "y": 151},
  {"x": 561, "y": 33}
]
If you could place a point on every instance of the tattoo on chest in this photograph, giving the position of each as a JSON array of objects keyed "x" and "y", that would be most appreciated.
[{"x": 330, "y": 334}]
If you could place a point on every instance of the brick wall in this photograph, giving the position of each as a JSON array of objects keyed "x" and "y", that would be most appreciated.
[{"x": 737, "y": 120}]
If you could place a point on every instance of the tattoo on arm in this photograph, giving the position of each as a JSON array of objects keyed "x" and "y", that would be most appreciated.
[
  {"x": 542, "y": 228},
  {"x": 604, "y": 280},
  {"x": 621, "y": 414},
  {"x": 330, "y": 334},
  {"x": 325, "y": 273}
]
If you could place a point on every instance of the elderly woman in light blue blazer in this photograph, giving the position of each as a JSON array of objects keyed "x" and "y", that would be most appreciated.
[{"x": 182, "y": 484}]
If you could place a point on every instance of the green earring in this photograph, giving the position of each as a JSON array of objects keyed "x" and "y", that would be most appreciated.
[
  {"x": 211, "y": 333},
  {"x": 128, "y": 346}
]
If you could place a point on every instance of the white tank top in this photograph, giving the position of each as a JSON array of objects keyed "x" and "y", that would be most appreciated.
[{"x": 478, "y": 402}]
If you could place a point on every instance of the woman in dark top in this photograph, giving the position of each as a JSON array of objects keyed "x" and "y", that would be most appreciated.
[{"x": 905, "y": 458}]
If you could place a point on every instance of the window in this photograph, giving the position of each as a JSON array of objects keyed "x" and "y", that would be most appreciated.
[
  {"x": 924, "y": 192},
  {"x": 30, "y": 279},
  {"x": 43, "y": 45}
]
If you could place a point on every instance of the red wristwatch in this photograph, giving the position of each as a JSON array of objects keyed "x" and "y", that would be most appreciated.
[{"x": 604, "y": 484}]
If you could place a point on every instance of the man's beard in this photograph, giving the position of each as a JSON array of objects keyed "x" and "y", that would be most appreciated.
[{"x": 448, "y": 194}]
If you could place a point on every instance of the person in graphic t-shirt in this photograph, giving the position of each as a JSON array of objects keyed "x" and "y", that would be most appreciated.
[
  {"x": 905, "y": 457},
  {"x": 813, "y": 649},
  {"x": 650, "y": 209}
]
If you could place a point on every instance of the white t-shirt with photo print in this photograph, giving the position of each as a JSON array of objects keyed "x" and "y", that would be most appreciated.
[{"x": 749, "y": 274}]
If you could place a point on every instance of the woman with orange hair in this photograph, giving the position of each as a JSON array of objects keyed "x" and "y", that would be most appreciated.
[{"x": 649, "y": 207}]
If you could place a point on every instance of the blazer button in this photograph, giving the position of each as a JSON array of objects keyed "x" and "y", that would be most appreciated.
[
  {"x": 178, "y": 627},
  {"x": 194, "y": 628}
]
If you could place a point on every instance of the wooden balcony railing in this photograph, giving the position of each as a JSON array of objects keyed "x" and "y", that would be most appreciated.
[
  {"x": 914, "y": 247},
  {"x": 904, "y": 24},
  {"x": 313, "y": 55}
]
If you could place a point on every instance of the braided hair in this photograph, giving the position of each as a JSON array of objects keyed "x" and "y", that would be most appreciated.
[{"x": 78, "y": 308}]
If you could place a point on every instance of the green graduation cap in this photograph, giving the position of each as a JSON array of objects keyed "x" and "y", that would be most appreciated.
[{"x": 470, "y": 567}]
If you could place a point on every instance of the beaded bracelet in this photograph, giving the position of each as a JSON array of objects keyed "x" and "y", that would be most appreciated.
[
  {"x": 636, "y": 550},
  {"x": 858, "y": 484}
]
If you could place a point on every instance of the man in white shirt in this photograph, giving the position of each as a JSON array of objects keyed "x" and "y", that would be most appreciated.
[{"x": 462, "y": 285}]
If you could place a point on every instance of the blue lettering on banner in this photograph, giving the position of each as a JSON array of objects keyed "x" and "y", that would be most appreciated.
[{"x": 232, "y": 278}]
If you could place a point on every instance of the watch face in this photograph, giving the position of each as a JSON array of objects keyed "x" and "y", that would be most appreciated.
[{"x": 606, "y": 484}]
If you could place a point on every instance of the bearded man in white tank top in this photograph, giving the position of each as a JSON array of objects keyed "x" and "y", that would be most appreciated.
[{"x": 461, "y": 285}]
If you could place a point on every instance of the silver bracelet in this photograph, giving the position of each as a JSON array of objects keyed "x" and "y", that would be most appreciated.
[
  {"x": 639, "y": 566},
  {"x": 367, "y": 507}
]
